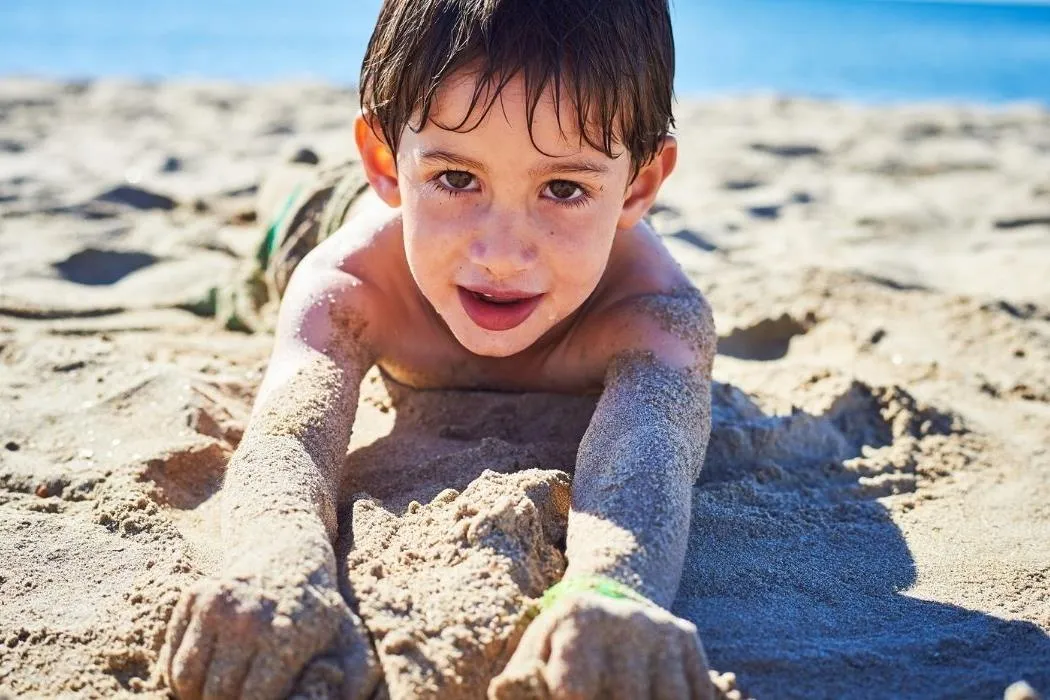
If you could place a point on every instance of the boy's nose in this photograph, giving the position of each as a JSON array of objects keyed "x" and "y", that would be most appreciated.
[{"x": 502, "y": 254}]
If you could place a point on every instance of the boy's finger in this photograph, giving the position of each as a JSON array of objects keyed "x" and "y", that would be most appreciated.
[
  {"x": 535, "y": 642},
  {"x": 523, "y": 682},
  {"x": 669, "y": 676},
  {"x": 628, "y": 666},
  {"x": 695, "y": 663},
  {"x": 360, "y": 667},
  {"x": 177, "y": 625},
  {"x": 267, "y": 678},
  {"x": 672, "y": 685},
  {"x": 361, "y": 671},
  {"x": 522, "y": 677},
  {"x": 574, "y": 669},
  {"x": 190, "y": 664},
  {"x": 229, "y": 666}
]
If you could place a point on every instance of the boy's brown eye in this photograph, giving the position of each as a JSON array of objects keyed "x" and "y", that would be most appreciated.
[
  {"x": 562, "y": 189},
  {"x": 458, "y": 179}
]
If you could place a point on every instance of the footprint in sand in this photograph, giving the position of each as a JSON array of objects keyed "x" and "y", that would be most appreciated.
[
  {"x": 768, "y": 339},
  {"x": 92, "y": 266}
]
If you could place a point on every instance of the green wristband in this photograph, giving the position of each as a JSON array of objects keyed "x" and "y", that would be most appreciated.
[{"x": 601, "y": 585}]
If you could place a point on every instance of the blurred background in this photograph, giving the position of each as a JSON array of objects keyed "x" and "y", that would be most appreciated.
[{"x": 870, "y": 50}]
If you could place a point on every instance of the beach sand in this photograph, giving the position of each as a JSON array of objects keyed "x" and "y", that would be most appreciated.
[{"x": 873, "y": 520}]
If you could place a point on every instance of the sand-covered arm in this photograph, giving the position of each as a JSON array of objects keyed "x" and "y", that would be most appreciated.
[
  {"x": 275, "y": 603},
  {"x": 629, "y": 520},
  {"x": 285, "y": 473},
  {"x": 637, "y": 462},
  {"x": 644, "y": 448}
]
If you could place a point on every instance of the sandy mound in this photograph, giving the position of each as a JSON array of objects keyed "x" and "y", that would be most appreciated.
[
  {"x": 872, "y": 519},
  {"x": 442, "y": 586}
]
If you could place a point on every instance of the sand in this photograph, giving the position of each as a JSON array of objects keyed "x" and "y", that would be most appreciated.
[{"x": 873, "y": 519}]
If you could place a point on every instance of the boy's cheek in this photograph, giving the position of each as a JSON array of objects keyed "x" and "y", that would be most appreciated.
[{"x": 437, "y": 218}]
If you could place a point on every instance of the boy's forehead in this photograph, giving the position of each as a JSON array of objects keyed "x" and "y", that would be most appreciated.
[{"x": 462, "y": 112}]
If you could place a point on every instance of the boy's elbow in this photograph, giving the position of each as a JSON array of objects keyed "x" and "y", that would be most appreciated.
[
  {"x": 688, "y": 328},
  {"x": 702, "y": 336}
]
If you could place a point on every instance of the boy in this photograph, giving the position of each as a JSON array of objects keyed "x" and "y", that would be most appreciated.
[{"x": 511, "y": 150}]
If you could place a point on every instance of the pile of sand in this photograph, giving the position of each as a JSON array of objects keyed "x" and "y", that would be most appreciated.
[{"x": 873, "y": 517}]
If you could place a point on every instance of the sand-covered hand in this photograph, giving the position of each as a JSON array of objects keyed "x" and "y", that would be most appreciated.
[
  {"x": 590, "y": 646},
  {"x": 249, "y": 635}
]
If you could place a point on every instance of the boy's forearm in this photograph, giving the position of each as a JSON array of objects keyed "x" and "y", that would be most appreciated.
[
  {"x": 632, "y": 491},
  {"x": 285, "y": 474},
  {"x": 272, "y": 485},
  {"x": 631, "y": 527}
]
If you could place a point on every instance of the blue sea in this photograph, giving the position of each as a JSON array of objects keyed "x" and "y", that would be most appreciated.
[{"x": 868, "y": 50}]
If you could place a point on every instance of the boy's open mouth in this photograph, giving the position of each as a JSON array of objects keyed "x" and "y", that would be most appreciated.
[{"x": 498, "y": 311}]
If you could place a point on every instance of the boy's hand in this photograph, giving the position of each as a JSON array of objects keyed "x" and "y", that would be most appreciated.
[
  {"x": 249, "y": 635},
  {"x": 589, "y": 646}
]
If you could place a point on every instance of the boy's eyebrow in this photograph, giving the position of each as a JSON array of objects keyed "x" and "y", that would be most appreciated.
[
  {"x": 570, "y": 166},
  {"x": 451, "y": 159}
]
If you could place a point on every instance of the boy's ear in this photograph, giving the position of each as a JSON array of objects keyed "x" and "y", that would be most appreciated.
[
  {"x": 642, "y": 192},
  {"x": 378, "y": 161}
]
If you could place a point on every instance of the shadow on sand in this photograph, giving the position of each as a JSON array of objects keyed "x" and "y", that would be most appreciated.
[{"x": 795, "y": 574}]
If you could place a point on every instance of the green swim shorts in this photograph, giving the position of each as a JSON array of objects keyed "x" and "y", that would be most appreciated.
[{"x": 300, "y": 205}]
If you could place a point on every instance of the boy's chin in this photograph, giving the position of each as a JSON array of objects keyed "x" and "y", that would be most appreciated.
[{"x": 494, "y": 344}]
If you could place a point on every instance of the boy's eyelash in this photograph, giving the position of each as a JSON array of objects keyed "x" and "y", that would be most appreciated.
[
  {"x": 584, "y": 198},
  {"x": 435, "y": 182},
  {"x": 580, "y": 201}
]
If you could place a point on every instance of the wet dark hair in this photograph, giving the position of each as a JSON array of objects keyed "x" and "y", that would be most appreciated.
[{"x": 613, "y": 58}]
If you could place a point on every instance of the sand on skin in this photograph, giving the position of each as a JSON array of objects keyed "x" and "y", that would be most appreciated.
[{"x": 873, "y": 512}]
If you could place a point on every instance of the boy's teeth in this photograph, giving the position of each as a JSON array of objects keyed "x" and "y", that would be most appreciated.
[{"x": 493, "y": 300}]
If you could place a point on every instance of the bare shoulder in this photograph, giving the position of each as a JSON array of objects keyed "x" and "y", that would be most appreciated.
[
  {"x": 652, "y": 307},
  {"x": 334, "y": 298},
  {"x": 326, "y": 326}
]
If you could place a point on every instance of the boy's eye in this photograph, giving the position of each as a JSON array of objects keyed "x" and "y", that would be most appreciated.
[
  {"x": 457, "y": 179},
  {"x": 564, "y": 190}
]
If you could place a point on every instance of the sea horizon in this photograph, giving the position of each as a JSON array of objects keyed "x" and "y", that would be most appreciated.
[{"x": 985, "y": 51}]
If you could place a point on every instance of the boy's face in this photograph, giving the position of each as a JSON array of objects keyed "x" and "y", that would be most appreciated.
[{"x": 506, "y": 234}]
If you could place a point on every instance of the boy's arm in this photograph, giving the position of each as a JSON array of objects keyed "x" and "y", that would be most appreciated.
[
  {"x": 637, "y": 462},
  {"x": 629, "y": 521},
  {"x": 248, "y": 631},
  {"x": 291, "y": 458}
]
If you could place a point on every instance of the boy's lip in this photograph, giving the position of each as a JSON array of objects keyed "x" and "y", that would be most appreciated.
[{"x": 509, "y": 308}]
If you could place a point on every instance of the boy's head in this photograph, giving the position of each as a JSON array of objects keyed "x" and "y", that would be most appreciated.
[{"x": 517, "y": 137}]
